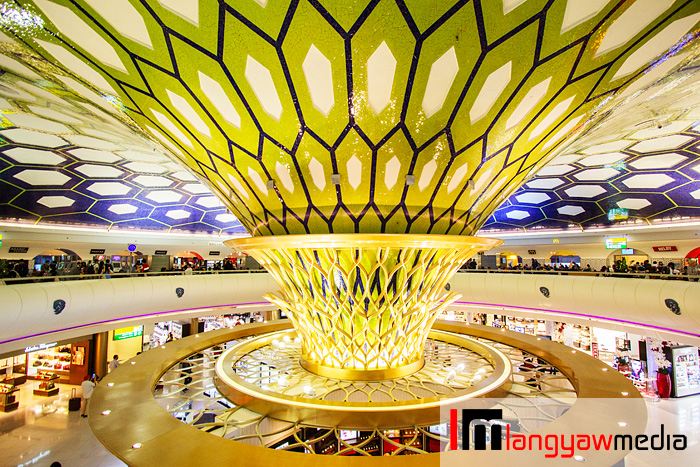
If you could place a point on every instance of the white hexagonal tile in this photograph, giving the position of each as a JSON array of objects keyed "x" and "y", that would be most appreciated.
[
  {"x": 195, "y": 188},
  {"x": 178, "y": 214},
  {"x": 381, "y": 67},
  {"x": 173, "y": 129},
  {"x": 35, "y": 138},
  {"x": 517, "y": 214},
  {"x": 78, "y": 66},
  {"x": 550, "y": 170},
  {"x": 109, "y": 188},
  {"x": 285, "y": 178},
  {"x": 33, "y": 122},
  {"x": 141, "y": 156},
  {"x": 664, "y": 130},
  {"x": 73, "y": 27},
  {"x": 695, "y": 194},
  {"x": 122, "y": 209},
  {"x": 42, "y": 177},
  {"x": 209, "y": 202},
  {"x": 257, "y": 180},
  {"x": 457, "y": 178},
  {"x": 585, "y": 191},
  {"x": 426, "y": 174},
  {"x": 317, "y": 173},
  {"x": 98, "y": 171},
  {"x": 90, "y": 142},
  {"x": 570, "y": 210},
  {"x": 354, "y": 167},
  {"x": 510, "y": 5},
  {"x": 534, "y": 95},
  {"x": 661, "y": 161},
  {"x": 99, "y": 134},
  {"x": 226, "y": 218},
  {"x": 260, "y": 79},
  {"x": 634, "y": 19},
  {"x": 532, "y": 197},
  {"x": 391, "y": 172},
  {"x": 56, "y": 201},
  {"x": 661, "y": 144},
  {"x": 657, "y": 45},
  {"x": 219, "y": 99},
  {"x": 185, "y": 9},
  {"x": 10, "y": 64},
  {"x": 597, "y": 174},
  {"x": 54, "y": 114},
  {"x": 34, "y": 156},
  {"x": 145, "y": 167},
  {"x": 187, "y": 111},
  {"x": 184, "y": 176},
  {"x": 647, "y": 181},
  {"x": 494, "y": 85},
  {"x": 567, "y": 159},
  {"x": 545, "y": 183},
  {"x": 578, "y": 12},
  {"x": 125, "y": 18},
  {"x": 612, "y": 146},
  {"x": 240, "y": 189},
  {"x": 319, "y": 79},
  {"x": 633, "y": 203},
  {"x": 152, "y": 181},
  {"x": 164, "y": 196},
  {"x": 94, "y": 155},
  {"x": 563, "y": 131},
  {"x": 551, "y": 117},
  {"x": 603, "y": 159},
  {"x": 442, "y": 74}
]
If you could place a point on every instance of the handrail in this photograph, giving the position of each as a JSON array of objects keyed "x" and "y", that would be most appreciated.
[
  {"x": 118, "y": 275},
  {"x": 638, "y": 275}
]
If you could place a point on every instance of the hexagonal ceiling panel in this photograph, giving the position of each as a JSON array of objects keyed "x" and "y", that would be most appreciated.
[{"x": 288, "y": 113}]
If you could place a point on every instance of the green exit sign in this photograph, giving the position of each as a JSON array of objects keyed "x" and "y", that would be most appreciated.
[{"x": 127, "y": 333}]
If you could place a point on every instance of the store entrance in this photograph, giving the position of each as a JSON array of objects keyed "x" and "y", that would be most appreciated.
[
  {"x": 508, "y": 259},
  {"x": 564, "y": 258},
  {"x": 193, "y": 258},
  {"x": 60, "y": 262},
  {"x": 631, "y": 256}
]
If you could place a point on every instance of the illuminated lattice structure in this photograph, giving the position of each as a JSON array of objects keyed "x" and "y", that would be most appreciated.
[
  {"x": 429, "y": 116},
  {"x": 363, "y": 304}
]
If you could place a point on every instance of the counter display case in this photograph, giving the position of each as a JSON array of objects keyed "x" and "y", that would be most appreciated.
[
  {"x": 57, "y": 360},
  {"x": 9, "y": 399}
]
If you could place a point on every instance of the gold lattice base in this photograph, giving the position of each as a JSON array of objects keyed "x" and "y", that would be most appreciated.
[{"x": 363, "y": 304}]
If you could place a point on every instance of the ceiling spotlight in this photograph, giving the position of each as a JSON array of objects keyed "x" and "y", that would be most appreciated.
[
  {"x": 579, "y": 458},
  {"x": 106, "y": 412},
  {"x": 410, "y": 180},
  {"x": 335, "y": 179},
  {"x": 137, "y": 446},
  {"x": 270, "y": 184},
  {"x": 470, "y": 184}
]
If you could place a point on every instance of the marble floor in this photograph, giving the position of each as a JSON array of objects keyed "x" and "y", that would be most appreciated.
[{"x": 43, "y": 431}]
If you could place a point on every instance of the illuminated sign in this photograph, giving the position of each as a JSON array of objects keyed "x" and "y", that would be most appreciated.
[
  {"x": 532, "y": 252},
  {"x": 665, "y": 248},
  {"x": 618, "y": 214},
  {"x": 18, "y": 249},
  {"x": 34, "y": 348},
  {"x": 127, "y": 333},
  {"x": 615, "y": 243},
  {"x": 161, "y": 252},
  {"x": 97, "y": 251}
]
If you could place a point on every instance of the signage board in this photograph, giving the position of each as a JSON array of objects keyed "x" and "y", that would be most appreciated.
[
  {"x": 214, "y": 253},
  {"x": 161, "y": 252},
  {"x": 618, "y": 214},
  {"x": 127, "y": 333},
  {"x": 532, "y": 252},
  {"x": 18, "y": 249},
  {"x": 665, "y": 248},
  {"x": 97, "y": 251},
  {"x": 131, "y": 247},
  {"x": 615, "y": 243}
]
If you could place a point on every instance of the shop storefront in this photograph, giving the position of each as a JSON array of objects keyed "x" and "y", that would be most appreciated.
[{"x": 44, "y": 366}]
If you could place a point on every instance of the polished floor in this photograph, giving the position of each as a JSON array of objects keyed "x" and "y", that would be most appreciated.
[{"x": 43, "y": 431}]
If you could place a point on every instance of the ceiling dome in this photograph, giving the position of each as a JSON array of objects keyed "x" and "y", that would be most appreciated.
[{"x": 345, "y": 116}]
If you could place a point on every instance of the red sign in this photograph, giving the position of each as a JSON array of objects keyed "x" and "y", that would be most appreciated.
[
  {"x": 665, "y": 248},
  {"x": 594, "y": 349}
]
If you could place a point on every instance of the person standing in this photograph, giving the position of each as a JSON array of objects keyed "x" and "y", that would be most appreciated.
[
  {"x": 114, "y": 363},
  {"x": 88, "y": 385}
]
